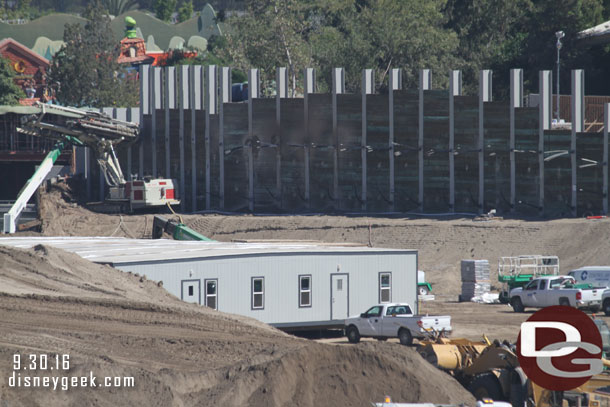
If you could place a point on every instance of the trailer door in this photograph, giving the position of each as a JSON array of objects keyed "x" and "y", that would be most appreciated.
[{"x": 339, "y": 296}]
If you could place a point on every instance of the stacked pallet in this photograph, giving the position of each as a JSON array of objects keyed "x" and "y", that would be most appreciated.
[{"x": 475, "y": 279}]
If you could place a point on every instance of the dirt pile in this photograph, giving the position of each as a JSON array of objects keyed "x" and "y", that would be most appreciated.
[
  {"x": 114, "y": 324},
  {"x": 441, "y": 243}
]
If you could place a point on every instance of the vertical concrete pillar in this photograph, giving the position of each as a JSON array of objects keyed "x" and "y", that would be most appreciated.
[
  {"x": 281, "y": 92},
  {"x": 195, "y": 103},
  {"x": 253, "y": 93},
  {"x": 545, "y": 82},
  {"x": 455, "y": 89},
  {"x": 133, "y": 115},
  {"x": 338, "y": 87},
  {"x": 309, "y": 87},
  {"x": 485, "y": 78},
  {"x": 156, "y": 103},
  {"x": 225, "y": 97},
  {"x": 578, "y": 124},
  {"x": 145, "y": 93},
  {"x": 102, "y": 192},
  {"x": 516, "y": 100},
  {"x": 605, "y": 158},
  {"x": 120, "y": 113},
  {"x": 211, "y": 96},
  {"x": 170, "y": 103},
  {"x": 425, "y": 83},
  {"x": 145, "y": 88},
  {"x": 183, "y": 103},
  {"x": 87, "y": 156},
  {"x": 395, "y": 84},
  {"x": 368, "y": 88}
]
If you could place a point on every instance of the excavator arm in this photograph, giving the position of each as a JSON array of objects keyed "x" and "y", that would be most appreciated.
[{"x": 85, "y": 128}]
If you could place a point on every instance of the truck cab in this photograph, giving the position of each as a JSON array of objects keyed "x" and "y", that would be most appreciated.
[
  {"x": 395, "y": 320},
  {"x": 555, "y": 290}
]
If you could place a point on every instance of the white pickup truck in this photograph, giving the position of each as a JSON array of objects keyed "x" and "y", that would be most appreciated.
[
  {"x": 394, "y": 321},
  {"x": 555, "y": 290}
]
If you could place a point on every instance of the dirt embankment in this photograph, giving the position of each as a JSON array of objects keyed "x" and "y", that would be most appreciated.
[
  {"x": 117, "y": 324},
  {"x": 441, "y": 243}
]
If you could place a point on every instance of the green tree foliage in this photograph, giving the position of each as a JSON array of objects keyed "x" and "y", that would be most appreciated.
[
  {"x": 539, "y": 51},
  {"x": 10, "y": 93},
  {"x": 385, "y": 34},
  {"x": 85, "y": 72},
  {"x": 185, "y": 11},
  {"x": 490, "y": 33},
  {"x": 118, "y": 7},
  {"x": 164, "y": 9},
  {"x": 339, "y": 33},
  {"x": 271, "y": 34}
]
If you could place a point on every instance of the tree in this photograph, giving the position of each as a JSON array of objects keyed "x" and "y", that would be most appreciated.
[
  {"x": 384, "y": 34},
  {"x": 118, "y": 7},
  {"x": 491, "y": 33},
  {"x": 185, "y": 11},
  {"x": 164, "y": 9},
  {"x": 85, "y": 71},
  {"x": 271, "y": 34},
  {"x": 538, "y": 51},
  {"x": 10, "y": 93}
]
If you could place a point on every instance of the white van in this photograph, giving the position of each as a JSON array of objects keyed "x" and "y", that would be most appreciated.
[{"x": 598, "y": 276}]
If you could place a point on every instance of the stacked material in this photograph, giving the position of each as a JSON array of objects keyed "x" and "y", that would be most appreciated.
[{"x": 475, "y": 279}]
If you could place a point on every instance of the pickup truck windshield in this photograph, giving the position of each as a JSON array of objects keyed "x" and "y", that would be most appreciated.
[{"x": 399, "y": 310}]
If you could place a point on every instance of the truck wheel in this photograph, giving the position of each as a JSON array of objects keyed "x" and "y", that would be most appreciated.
[
  {"x": 353, "y": 336},
  {"x": 565, "y": 302},
  {"x": 422, "y": 290},
  {"x": 486, "y": 386},
  {"x": 607, "y": 307},
  {"x": 405, "y": 337},
  {"x": 517, "y": 304}
]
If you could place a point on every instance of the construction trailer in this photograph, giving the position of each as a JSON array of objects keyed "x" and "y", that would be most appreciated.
[{"x": 288, "y": 285}]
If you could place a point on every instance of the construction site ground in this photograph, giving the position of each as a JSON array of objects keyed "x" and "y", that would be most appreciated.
[{"x": 182, "y": 354}]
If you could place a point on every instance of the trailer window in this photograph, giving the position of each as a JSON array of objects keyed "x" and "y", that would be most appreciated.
[
  {"x": 385, "y": 287},
  {"x": 211, "y": 294},
  {"x": 258, "y": 292},
  {"x": 304, "y": 291}
]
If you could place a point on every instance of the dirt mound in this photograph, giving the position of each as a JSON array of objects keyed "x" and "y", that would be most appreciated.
[
  {"x": 114, "y": 324},
  {"x": 62, "y": 214},
  {"x": 441, "y": 243}
]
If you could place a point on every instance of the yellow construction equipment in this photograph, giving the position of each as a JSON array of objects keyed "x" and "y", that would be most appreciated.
[{"x": 491, "y": 370}]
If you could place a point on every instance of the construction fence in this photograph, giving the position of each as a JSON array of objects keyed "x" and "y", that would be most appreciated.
[{"x": 407, "y": 151}]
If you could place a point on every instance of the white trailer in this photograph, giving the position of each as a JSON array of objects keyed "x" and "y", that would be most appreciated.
[{"x": 288, "y": 285}]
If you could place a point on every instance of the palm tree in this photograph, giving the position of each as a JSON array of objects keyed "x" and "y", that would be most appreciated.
[{"x": 118, "y": 7}]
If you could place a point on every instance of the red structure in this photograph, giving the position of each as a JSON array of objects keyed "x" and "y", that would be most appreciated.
[
  {"x": 133, "y": 52},
  {"x": 29, "y": 67}
]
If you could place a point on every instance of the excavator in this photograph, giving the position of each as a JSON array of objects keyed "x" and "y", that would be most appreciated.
[
  {"x": 101, "y": 134},
  {"x": 490, "y": 370}
]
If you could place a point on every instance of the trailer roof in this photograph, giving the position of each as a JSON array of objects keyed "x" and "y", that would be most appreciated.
[{"x": 118, "y": 250}]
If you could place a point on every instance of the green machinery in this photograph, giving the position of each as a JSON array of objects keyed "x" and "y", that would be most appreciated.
[
  {"x": 178, "y": 230},
  {"x": 517, "y": 271}
]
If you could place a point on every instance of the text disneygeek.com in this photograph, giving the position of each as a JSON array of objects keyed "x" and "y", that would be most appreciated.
[{"x": 29, "y": 372}]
